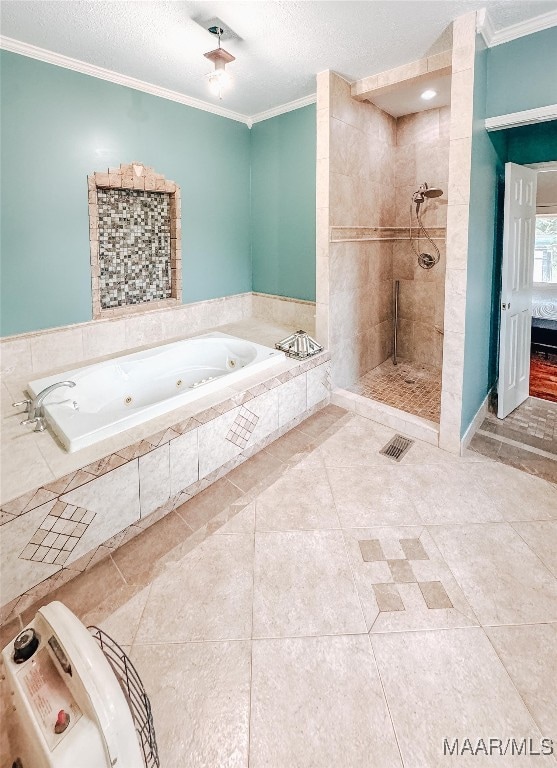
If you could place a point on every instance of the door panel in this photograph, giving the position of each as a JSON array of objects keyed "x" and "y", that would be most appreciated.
[{"x": 516, "y": 293}]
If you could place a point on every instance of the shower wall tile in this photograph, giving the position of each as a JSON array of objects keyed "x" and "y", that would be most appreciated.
[
  {"x": 322, "y": 127},
  {"x": 343, "y": 106},
  {"x": 432, "y": 162},
  {"x": 404, "y": 261},
  {"x": 462, "y": 99},
  {"x": 464, "y": 49},
  {"x": 417, "y": 127},
  {"x": 459, "y": 171},
  {"x": 346, "y": 363},
  {"x": 444, "y": 122},
  {"x": 455, "y": 309},
  {"x": 462, "y": 85},
  {"x": 422, "y": 154},
  {"x": 322, "y": 183},
  {"x": 356, "y": 305},
  {"x": 453, "y": 355},
  {"x": 457, "y": 236},
  {"x": 322, "y": 325},
  {"x": 344, "y": 200},
  {"x": 405, "y": 164}
]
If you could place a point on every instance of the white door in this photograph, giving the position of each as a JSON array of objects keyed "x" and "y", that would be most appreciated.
[{"x": 516, "y": 294}]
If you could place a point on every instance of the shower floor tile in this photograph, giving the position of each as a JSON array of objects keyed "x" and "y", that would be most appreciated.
[{"x": 411, "y": 387}]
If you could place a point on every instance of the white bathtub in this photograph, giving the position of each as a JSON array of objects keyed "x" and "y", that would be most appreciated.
[{"x": 113, "y": 396}]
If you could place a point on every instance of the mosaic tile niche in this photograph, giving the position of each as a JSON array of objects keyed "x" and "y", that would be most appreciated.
[{"x": 135, "y": 235}]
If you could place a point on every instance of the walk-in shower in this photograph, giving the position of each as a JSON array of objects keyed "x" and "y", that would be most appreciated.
[{"x": 419, "y": 198}]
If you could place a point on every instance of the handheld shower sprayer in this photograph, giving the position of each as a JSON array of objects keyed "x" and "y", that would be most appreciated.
[{"x": 420, "y": 197}]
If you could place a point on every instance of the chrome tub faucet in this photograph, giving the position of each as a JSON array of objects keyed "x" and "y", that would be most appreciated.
[{"x": 35, "y": 408}]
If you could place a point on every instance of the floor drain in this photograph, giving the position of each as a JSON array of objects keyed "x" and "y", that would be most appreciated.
[{"x": 397, "y": 447}]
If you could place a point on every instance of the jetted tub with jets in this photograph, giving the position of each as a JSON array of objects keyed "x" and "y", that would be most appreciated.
[{"x": 117, "y": 394}]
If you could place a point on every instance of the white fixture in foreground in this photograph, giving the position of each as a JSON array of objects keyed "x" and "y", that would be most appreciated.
[
  {"x": 76, "y": 699},
  {"x": 429, "y": 94},
  {"x": 220, "y": 78}
]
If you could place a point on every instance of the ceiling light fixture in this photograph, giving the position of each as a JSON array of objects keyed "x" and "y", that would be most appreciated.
[
  {"x": 219, "y": 79},
  {"x": 429, "y": 94}
]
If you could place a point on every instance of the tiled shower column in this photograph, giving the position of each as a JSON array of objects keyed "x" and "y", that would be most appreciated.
[
  {"x": 355, "y": 188},
  {"x": 460, "y": 156}
]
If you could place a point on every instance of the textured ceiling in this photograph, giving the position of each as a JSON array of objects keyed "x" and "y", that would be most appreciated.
[{"x": 279, "y": 46}]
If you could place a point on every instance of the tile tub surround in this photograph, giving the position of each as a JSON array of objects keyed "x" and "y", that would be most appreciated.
[
  {"x": 186, "y": 597},
  {"x": 41, "y": 351},
  {"x": 66, "y": 523},
  {"x": 35, "y": 353},
  {"x": 282, "y": 310},
  {"x": 135, "y": 235}
]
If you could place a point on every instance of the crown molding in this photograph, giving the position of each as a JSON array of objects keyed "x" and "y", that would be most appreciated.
[
  {"x": 484, "y": 26},
  {"x": 282, "y": 108},
  {"x": 527, "y": 117},
  {"x": 50, "y": 57},
  {"x": 493, "y": 37}
]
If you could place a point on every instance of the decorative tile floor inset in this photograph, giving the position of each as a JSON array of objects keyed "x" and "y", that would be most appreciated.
[
  {"x": 403, "y": 582},
  {"x": 411, "y": 387}
]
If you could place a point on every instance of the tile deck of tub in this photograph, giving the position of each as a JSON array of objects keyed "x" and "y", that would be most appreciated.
[{"x": 323, "y": 605}]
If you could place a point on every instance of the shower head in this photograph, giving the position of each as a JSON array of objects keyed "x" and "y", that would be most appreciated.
[{"x": 426, "y": 192}]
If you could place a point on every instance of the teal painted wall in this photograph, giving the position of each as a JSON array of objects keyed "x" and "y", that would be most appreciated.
[
  {"x": 480, "y": 348},
  {"x": 532, "y": 143},
  {"x": 57, "y": 127},
  {"x": 521, "y": 74},
  {"x": 508, "y": 78},
  {"x": 283, "y": 204}
]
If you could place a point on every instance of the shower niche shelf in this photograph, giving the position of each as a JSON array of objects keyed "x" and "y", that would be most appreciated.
[{"x": 347, "y": 234}]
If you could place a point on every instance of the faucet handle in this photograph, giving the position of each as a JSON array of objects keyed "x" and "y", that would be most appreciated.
[
  {"x": 26, "y": 403},
  {"x": 38, "y": 421}
]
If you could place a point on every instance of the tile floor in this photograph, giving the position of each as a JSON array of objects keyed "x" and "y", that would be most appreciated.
[
  {"x": 526, "y": 438},
  {"x": 411, "y": 387},
  {"x": 324, "y": 605}
]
